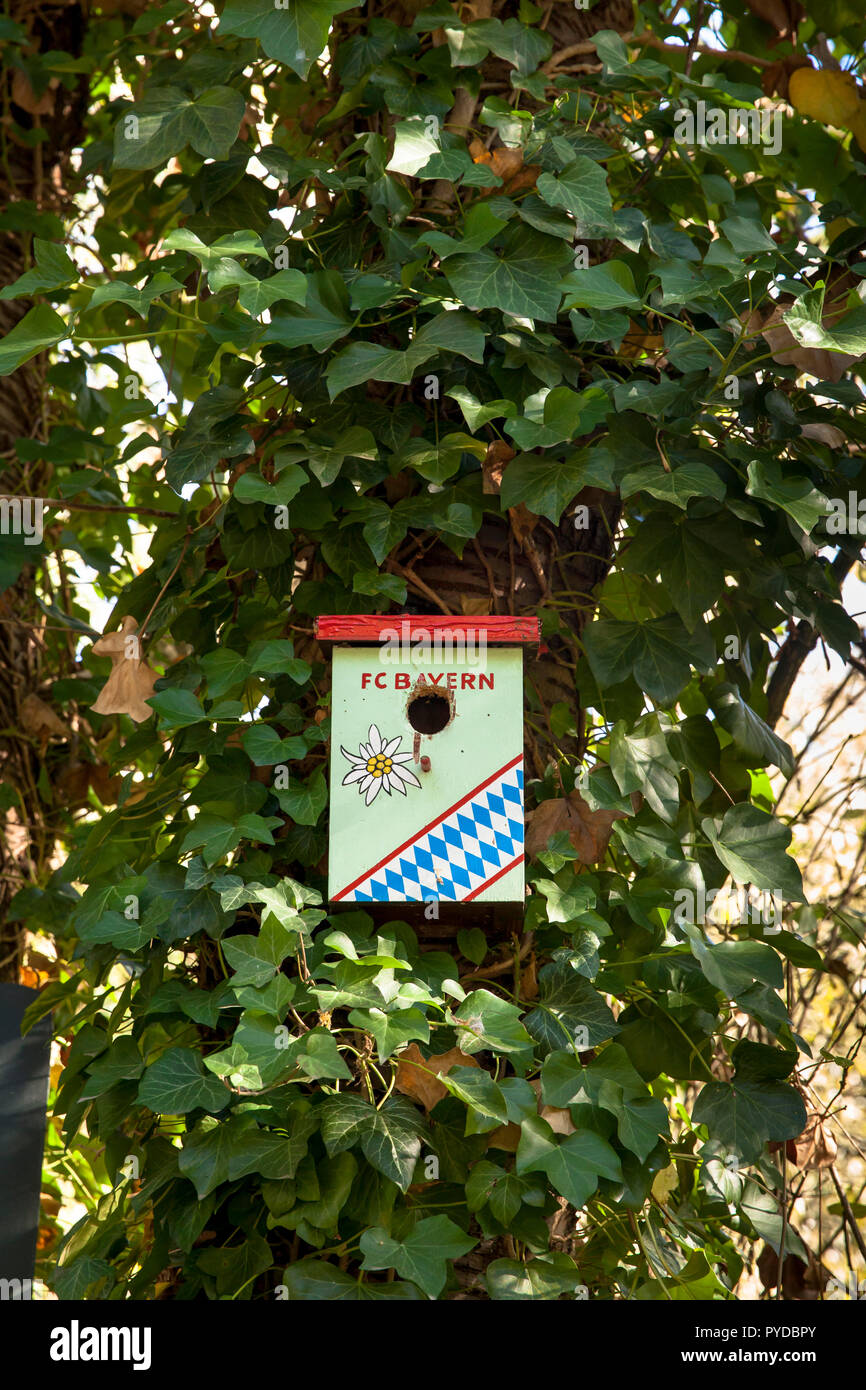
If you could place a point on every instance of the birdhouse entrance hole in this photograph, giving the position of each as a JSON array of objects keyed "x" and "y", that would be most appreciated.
[{"x": 429, "y": 712}]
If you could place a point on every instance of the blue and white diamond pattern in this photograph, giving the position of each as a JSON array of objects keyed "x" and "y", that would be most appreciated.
[{"x": 453, "y": 859}]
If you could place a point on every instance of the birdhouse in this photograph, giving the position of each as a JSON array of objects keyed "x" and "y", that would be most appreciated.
[{"x": 426, "y": 797}]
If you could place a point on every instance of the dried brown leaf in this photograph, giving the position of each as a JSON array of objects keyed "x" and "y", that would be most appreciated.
[
  {"x": 131, "y": 681},
  {"x": 39, "y": 720},
  {"x": 493, "y": 464},
  {"x": 782, "y": 15},
  {"x": 24, "y": 96},
  {"x": 413, "y": 1073},
  {"x": 816, "y": 1146},
  {"x": 523, "y": 521},
  {"x": 588, "y": 831},
  {"x": 818, "y": 362}
]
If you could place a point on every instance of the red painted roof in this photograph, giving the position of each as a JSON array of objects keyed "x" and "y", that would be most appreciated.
[{"x": 410, "y": 627}]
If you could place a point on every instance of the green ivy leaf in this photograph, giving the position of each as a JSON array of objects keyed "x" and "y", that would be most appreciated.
[
  {"x": 422, "y": 1256},
  {"x": 744, "y": 1115},
  {"x": 581, "y": 189},
  {"x": 177, "y": 1082},
  {"x": 678, "y": 486},
  {"x": 521, "y": 277},
  {"x": 166, "y": 120},
  {"x": 748, "y": 730},
  {"x": 39, "y": 329},
  {"x": 547, "y": 485},
  {"x": 752, "y": 845},
  {"x": 314, "y": 1279},
  {"x": 389, "y": 1137},
  {"x": 486, "y": 1021},
  {"x": 658, "y": 654},
  {"x": 545, "y": 1278},
  {"x": 794, "y": 495},
  {"x": 294, "y": 34},
  {"x": 574, "y": 1164},
  {"x": 568, "y": 1003}
]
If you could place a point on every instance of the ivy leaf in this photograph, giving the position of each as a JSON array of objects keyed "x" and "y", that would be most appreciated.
[
  {"x": 492, "y": 1104},
  {"x": 276, "y": 1156},
  {"x": 236, "y": 1266},
  {"x": 581, "y": 189},
  {"x": 316, "y": 1054},
  {"x": 217, "y": 837},
  {"x": 256, "y": 959},
  {"x": 166, "y": 120},
  {"x": 504, "y": 1193},
  {"x": 122, "y": 1062},
  {"x": 547, "y": 485},
  {"x": 547, "y": 1277},
  {"x": 324, "y": 317},
  {"x": 752, "y": 845},
  {"x": 566, "y": 415},
  {"x": 640, "y": 1120},
  {"x": 472, "y": 943},
  {"x": 763, "y": 1209},
  {"x": 53, "y": 270},
  {"x": 314, "y": 1279},
  {"x": 747, "y": 235},
  {"x": 452, "y": 331},
  {"x": 748, "y": 730},
  {"x": 264, "y": 747},
  {"x": 304, "y": 802},
  {"x": 206, "y": 1153},
  {"x": 565, "y": 1081},
  {"x": 566, "y": 904},
  {"x": 521, "y": 277},
  {"x": 847, "y": 335},
  {"x": 486, "y": 1021},
  {"x": 414, "y": 145},
  {"x": 744, "y": 1115},
  {"x": 257, "y": 295},
  {"x": 685, "y": 481},
  {"x": 794, "y": 495},
  {"x": 734, "y": 966},
  {"x": 574, "y": 1164},
  {"x": 568, "y": 1003},
  {"x": 73, "y": 1281},
  {"x": 607, "y": 286},
  {"x": 658, "y": 654},
  {"x": 641, "y": 762},
  {"x": 215, "y": 258},
  {"x": 389, "y": 1137},
  {"x": 39, "y": 329},
  {"x": 422, "y": 1256},
  {"x": 224, "y": 669},
  {"x": 117, "y": 292},
  {"x": 114, "y": 929},
  {"x": 177, "y": 709},
  {"x": 294, "y": 34},
  {"x": 392, "y": 1030},
  {"x": 177, "y": 1083}
]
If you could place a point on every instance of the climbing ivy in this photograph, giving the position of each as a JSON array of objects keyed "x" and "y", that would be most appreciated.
[{"x": 343, "y": 281}]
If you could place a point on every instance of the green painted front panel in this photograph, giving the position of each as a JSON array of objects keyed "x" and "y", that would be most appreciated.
[{"x": 484, "y": 735}]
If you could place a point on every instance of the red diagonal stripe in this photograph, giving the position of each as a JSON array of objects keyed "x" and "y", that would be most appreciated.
[
  {"x": 508, "y": 867},
  {"x": 368, "y": 873}
]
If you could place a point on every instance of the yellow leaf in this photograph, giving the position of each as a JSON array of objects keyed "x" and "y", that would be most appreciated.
[
  {"x": 664, "y": 1183},
  {"x": 858, "y": 125},
  {"x": 830, "y": 97}
]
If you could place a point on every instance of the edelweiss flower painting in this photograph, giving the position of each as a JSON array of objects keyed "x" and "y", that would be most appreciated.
[{"x": 378, "y": 765}]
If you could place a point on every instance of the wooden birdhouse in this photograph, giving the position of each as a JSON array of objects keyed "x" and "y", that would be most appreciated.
[{"x": 426, "y": 796}]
